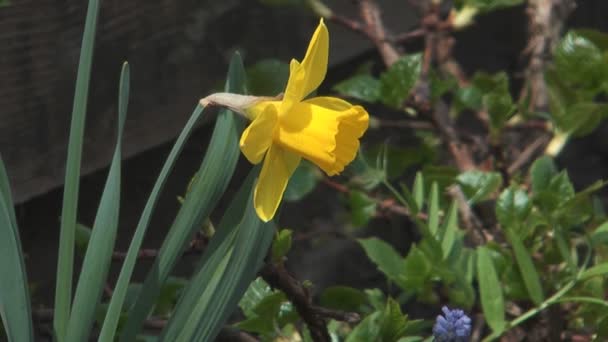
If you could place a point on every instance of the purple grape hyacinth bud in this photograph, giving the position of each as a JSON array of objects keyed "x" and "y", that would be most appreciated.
[{"x": 453, "y": 326}]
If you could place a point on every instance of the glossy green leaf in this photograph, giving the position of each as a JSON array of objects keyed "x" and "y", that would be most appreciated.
[
  {"x": 478, "y": 185},
  {"x": 512, "y": 206},
  {"x": 361, "y": 87},
  {"x": 397, "y": 82},
  {"x": 257, "y": 291},
  {"x": 526, "y": 267},
  {"x": 206, "y": 190},
  {"x": 541, "y": 172},
  {"x": 98, "y": 254},
  {"x": 15, "y": 307},
  {"x": 490, "y": 291},
  {"x": 580, "y": 65},
  {"x": 65, "y": 263}
]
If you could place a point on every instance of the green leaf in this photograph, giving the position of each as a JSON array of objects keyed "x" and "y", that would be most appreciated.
[
  {"x": 65, "y": 263},
  {"x": 98, "y": 256},
  {"x": 541, "y": 172},
  {"x": 598, "y": 38},
  {"x": 434, "y": 209},
  {"x": 597, "y": 270},
  {"x": 526, "y": 268},
  {"x": 257, "y": 291},
  {"x": 478, "y": 185},
  {"x": 559, "y": 192},
  {"x": 363, "y": 208},
  {"x": 512, "y": 206},
  {"x": 600, "y": 235},
  {"x": 82, "y": 237},
  {"x": 384, "y": 256},
  {"x": 449, "y": 230},
  {"x": 302, "y": 182},
  {"x": 281, "y": 244},
  {"x": 368, "y": 329},
  {"x": 267, "y": 77},
  {"x": 361, "y": 87},
  {"x": 397, "y": 82},
  {"x": 492, "y": 5},
  {"x": 226, "y": 270},
  {"x": 343, "y": 298},
  {"x": 580, "y": 118},
  {"x": 15, "y": 307},
  {"x": 580, "y": 65},
  {"x": 206, "y": 190},
  {"x": 490, "y": 291},
  {"x": 271, "y": 312},
  {"x": 419, "y": 190},
  {"x": 416, "y": 270},
  {"x": 394, "y": 322}
]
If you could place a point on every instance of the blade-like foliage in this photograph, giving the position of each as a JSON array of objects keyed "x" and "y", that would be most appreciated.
[
  {"x": 227, "y": 268},
  {"x": 14, "y": 295},
  {"x": 65, "y": 263},
  {"x": 210, "y": 183},
  {"x": 101, "y": 243}
]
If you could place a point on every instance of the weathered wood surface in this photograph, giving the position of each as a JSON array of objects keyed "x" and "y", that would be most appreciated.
[{"x": 178, "y": 51}]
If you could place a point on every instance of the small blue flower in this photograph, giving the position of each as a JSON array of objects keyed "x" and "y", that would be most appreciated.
[{"x": 453, "y": 326}]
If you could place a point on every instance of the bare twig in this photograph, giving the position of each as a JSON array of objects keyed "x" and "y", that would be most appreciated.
[
  {"x": 472, "y": 223},
  {"x": 388, "y": 204},
  {"x": 547, "y": 19},
  {"x": 370, "y": 13},
  {"x": 528, "y": 153},
  {"x": 315, "y": 317}
]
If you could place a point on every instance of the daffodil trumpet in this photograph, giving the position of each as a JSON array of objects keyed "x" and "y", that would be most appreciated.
[{"x": 285, "y": 129}]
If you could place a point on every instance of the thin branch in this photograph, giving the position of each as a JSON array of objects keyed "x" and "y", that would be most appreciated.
[
  {"x": 370, "y": 13},
  {"x": 547, "y": 19},
  {"x": 277, "y": 276},
  {"x": 528, "y": 154},
  {"x": 472, "y": 223}
]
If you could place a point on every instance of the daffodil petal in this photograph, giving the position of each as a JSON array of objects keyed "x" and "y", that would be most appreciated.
[
  {"x": 279, "y": 165},
  {"x": 294, "y": 90},
  {"x": 315, "y": 60},
  {"x": 257, "y": 137},
  {"x": 324, "y": 130},
  {"x": 307, "y": 76}
]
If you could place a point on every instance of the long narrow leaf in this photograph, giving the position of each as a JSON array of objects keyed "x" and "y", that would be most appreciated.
[
  {"x": 65, "y": 262},
  {"x": 216, "y": 255},
  {"x": 122, "y": 284},
  {"x": 214, "y": 305},
  {"x": 490, "y": 291},
  {"x": 15, "y": 308},
  {"x": 101, "y": 243},
  {"x": 449, "y": 230},
  {"x": 526, "y": 268},
  {"x": 434, "y": 209},
  {"x": 211, "y": 181}
]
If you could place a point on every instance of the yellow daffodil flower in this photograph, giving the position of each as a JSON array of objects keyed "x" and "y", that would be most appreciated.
[{"x": 323, "y": 130}]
